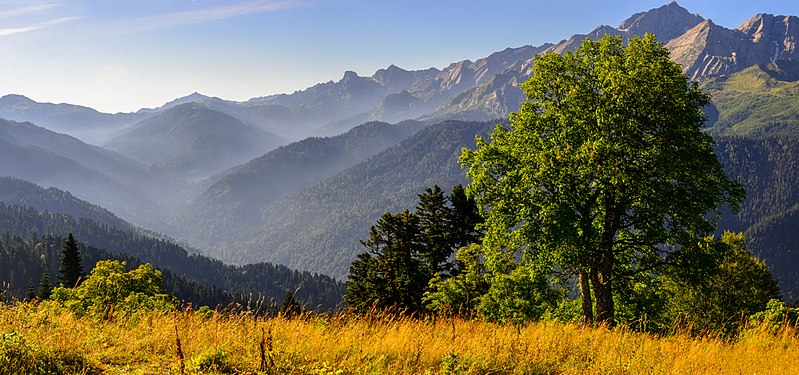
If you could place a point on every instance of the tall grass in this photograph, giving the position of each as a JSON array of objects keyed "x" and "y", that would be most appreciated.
[{"x": 349, "y": 344}]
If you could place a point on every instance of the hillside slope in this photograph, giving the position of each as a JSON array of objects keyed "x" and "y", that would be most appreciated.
[{"x": 319, "y": 228}]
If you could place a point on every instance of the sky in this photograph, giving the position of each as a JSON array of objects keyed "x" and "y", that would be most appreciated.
[{"x": 120, "y": 55}]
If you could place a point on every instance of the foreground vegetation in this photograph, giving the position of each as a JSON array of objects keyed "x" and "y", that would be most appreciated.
[{"x": 46, "y": 338}]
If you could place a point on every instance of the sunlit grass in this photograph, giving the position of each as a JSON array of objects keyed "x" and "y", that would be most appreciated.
[{"x": 349, "y": 344}]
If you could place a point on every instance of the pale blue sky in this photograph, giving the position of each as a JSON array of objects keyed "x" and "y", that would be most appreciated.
[{"x": 117, "y": 55}]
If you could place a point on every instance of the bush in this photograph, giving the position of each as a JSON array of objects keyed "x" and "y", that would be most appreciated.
[
  {"x": 215, "y": 360},
  {"x": 109, "y": 288},
  {"x": 776, "y": 315}
]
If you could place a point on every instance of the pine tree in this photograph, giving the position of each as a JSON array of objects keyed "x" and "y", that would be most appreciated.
[
  {"x": 44, "y": 286},
  {"x": 30, "y": 294},
  {"x": 70, "y": 271},
  {"x": 465, "y": 216},
  {"x": 290, "y": 306},
  {"x": 434, "y": 216}
]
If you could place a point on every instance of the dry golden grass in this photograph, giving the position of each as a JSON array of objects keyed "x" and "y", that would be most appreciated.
[{"x": 347, "y": 344}]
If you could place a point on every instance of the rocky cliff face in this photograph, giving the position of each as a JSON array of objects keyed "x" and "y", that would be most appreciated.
[{"x": 781, "y": 32}]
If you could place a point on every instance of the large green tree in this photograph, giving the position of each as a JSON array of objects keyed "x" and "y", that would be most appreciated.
[{"x": 604, "y": 171}]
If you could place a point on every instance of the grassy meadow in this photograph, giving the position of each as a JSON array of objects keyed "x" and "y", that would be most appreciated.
[{"x": 44, "y": 338}]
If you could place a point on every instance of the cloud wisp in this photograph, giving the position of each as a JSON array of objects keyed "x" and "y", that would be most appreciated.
[
  {"x": 203, "y": 15},
  {"x": 35, "y": 26},
  {"x": 31, "y": 9}
]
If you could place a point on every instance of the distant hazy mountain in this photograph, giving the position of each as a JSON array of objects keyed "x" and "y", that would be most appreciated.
[
  {"x": 193, "y": 141},
  {"x": 319, "y": 227},
  {"x": 235, "y": 202},
  {"x": 46, "y": 158},
  {"x": 83, "y": 123}
]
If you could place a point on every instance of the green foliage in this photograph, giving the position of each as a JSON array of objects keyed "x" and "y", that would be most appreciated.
[
  {"x": 523, "y": 294},
  {"x": 70, "y": 271},
  {"x": 462, "y": 293},
  {"x": 776, "y": 315},
  {"x": 213, "y": 360},
  {"x": 391, "y": 274},
  {"x": 110, "y": 289},
  {"x": 731, "y": 285},
  {"x": 406, "y": 250},
  {"x": 17, "y": 356},
  {"x": 45, "y": 289},
  {"x": 584, "y": 179},
  {"x": 30, "y": 293}
]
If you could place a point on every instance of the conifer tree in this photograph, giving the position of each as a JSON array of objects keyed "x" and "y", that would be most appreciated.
[
  {"x": 290, "y": 306},
  {"x": 70, "y": 271},
  {"x": 30, "y": 294},
  {"x": 45, "y": 289},
  {"x": 434, "y": 216}
]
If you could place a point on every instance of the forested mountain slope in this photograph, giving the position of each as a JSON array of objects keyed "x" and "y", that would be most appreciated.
[
  {"x": 319, "y": 228},
  {"x": 35, "y": 154},
  {"x": 94, "y": 226},
  {"x": 233, "y": 204},
  {"x": 14, "y": 191},
  {"x": 264, "y": 279}
]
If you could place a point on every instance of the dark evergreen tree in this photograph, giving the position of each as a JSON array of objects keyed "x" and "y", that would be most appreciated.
[
  {"x": 70, "y": 271},
  {"x": 391, "y": 273},
  {"x": 44, "y": 286},
  {"x": 406, "y": 250},
  {"x": 434, "y": 216},
  {"x": 30, "y": 293},
  {"x": 464, "y": 218},
  {"x": 290, "y": 306}
]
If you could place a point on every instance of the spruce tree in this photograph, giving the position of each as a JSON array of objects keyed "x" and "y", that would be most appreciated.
[
  {"x": 30, "y": 294},
  {"x": 434, "y": 216},
  {"x": 44, "y": 286},
  {"x": 70, "y": 271}
]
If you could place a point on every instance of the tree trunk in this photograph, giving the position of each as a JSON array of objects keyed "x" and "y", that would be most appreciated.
[
  {"x": 603, "y": 293},
  {"x": 601, "y": 280},
  {"x": 602, "y": 273},
  {"x": 588, "y": 303}
]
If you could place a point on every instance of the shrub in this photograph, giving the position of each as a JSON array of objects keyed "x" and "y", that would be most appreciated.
[{"x": 109, "y": 288}]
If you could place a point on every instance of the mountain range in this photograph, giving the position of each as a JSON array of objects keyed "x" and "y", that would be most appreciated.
[{"x": 297, "y": 179}]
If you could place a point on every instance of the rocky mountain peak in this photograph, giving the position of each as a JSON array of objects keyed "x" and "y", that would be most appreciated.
[
  {"x": 666, "y": 22},
  {"x": 780, "y": 31},
  {"x": 15, "y": 98},
  {"x": 349, "y": 75}
]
